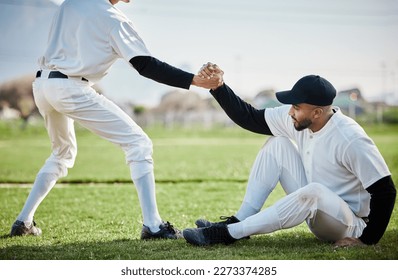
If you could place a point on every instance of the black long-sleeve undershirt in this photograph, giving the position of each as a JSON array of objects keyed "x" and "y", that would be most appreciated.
[
  {"x": 382, "y": 192},
  {"x": 239, "y": 111},
  {"x": 159, "y": 71}
]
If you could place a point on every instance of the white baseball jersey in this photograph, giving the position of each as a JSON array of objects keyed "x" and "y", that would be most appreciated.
[
  {"x": 88, "y": 50},
  {"x": 340, "y": 156}
]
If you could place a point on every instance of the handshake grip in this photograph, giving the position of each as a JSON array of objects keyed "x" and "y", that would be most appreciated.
[{"x": 210, "y": 76}]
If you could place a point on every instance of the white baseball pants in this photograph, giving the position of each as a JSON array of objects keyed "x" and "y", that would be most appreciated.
[
  {"x": 326, "y": 214},
  {"x": 63, "y": 101}
]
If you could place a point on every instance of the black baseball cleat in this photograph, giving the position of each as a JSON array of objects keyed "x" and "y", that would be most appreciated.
[
  {"x": 167, "y": 231},
  {"x": 19, "y": 228},
  {"x": 215, "y": 234},
  {"x": 226, "y": 220}
]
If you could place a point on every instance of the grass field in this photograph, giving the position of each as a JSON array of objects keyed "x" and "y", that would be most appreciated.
[{"x": 94, "y": 213}]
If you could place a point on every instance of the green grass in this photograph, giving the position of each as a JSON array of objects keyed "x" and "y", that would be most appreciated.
[{"x": 94, "y": 212}]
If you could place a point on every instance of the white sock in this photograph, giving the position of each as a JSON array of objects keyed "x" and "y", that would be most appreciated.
[
  {"x": 264, "y": 222},
  {"x": 289, "y": 211},
  {"x": 44, "y": 182},
  {"x": 146, "y": 190}
]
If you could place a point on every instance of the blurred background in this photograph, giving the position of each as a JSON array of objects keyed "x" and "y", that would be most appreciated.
[{"x": 263, "y": 46}]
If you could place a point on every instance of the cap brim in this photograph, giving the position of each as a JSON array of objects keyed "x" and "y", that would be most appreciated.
[{"x": 287, "y": 97}]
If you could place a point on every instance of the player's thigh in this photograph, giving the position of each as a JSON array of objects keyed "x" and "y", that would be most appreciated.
[
  {"x": 60, "y": 127},
  {"x": 101, "y": 116},
  {"x": 61, "y": 131},
  {"x": 289, "y": 166},
  {"x": 108, "y": 120},
  {"x": 333, "y": 219}
]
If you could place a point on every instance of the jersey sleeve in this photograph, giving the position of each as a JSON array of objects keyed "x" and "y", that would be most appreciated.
[
  {"x": 126, "y": 42},
  {"x": 279, "y": 121},
  {"x": 364, "y": 160}
]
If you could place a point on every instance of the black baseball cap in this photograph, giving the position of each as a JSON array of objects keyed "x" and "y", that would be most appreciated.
[{"x": 311, "y": 89}]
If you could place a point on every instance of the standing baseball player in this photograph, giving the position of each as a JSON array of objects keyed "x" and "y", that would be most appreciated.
[
  {"x": 334, "y": 177},
  {"x": 85, "y": 39}
]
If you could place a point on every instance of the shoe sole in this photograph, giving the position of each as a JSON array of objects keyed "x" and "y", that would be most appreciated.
[{"x": 36, "y": 233}]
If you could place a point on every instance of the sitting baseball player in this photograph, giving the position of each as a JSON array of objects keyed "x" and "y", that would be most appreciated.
[
  {"x": 86, "y": 38},
  {"x": 334, "y": 177}
]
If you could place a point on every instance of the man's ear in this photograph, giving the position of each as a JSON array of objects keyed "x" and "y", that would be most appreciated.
[{"x": 317, "y": 113}]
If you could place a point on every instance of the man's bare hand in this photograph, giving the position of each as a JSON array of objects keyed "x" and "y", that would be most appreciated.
[
  {"x": 348, "y": 242},
  {"x": 209, "y": 83},
  {"x": 209, "y": 70},
  {"x": 210, "y": 76}
]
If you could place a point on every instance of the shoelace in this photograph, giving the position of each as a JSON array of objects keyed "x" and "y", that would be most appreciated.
[
  {"x": 169, "y": 227},
  {"x": 227, "y": 219}
]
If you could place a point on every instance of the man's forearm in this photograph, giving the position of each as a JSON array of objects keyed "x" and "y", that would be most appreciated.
[
  {"x": 242, "y": 113},
  {"x": 162, "y": 72},
  {"x": 382, "y": 202}
]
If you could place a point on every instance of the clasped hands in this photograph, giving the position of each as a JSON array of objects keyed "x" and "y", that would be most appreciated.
[{"x": 210, "y": 76}]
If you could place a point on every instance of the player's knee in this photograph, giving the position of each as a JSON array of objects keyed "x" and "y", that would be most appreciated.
[
  {"x": 60, "y": 161},
  {"x": 57, "y": 168},
  {"x": 140, "y": 149},
  {"x": 67, "y": 160},
  {"x": 277, "y": 141},
  {"x": 70, "y": 156},
  {"x": 278, "y": 145},
  {"x": 312, "y": 191}
]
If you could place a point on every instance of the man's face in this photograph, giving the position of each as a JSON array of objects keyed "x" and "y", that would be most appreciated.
[{"x": 302, "y": 115}]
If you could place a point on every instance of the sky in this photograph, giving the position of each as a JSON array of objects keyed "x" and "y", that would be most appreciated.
[{"x": 260, "y": 44}]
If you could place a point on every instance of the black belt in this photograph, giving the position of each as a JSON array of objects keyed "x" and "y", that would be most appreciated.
[{"x": 56, "y": 74}]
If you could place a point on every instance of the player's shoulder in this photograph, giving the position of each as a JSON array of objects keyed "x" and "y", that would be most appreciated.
[
  {"x": 88, "y": 8},
  {"x": 278, "y": 110},
  {"x": 347, "y": 128},
  {"x": 101, "y": 13}
]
